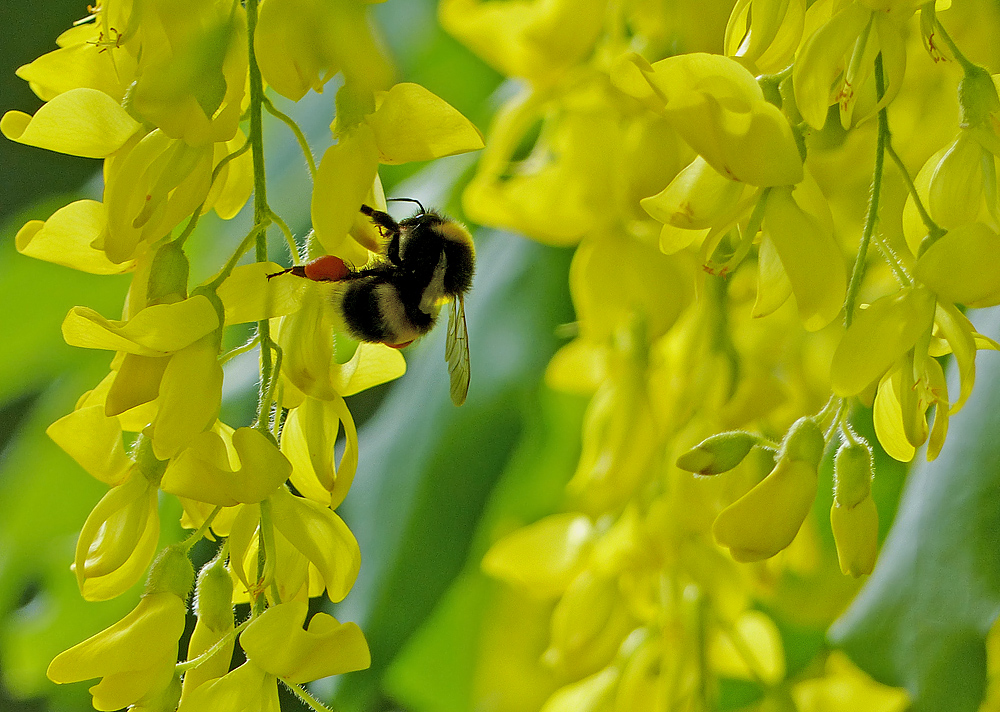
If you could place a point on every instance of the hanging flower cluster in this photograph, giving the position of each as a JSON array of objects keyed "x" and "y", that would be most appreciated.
[
  {"x": 703, "y": 160},
  {"x": 171, "y": 96}
]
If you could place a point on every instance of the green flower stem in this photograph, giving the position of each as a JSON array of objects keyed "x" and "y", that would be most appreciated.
[
  {"x": 245, "y": 245},
  {"x": 299, "y": 136},
  {"x": 289, "y": 238},
  {"x": 196, "y": 536},
  {"x": 721, "y": 335},
  {"x": 304, "y": 695},
  {"x": 870, "y": 221},
  {"x": 261, "y": 212},
  {"x": 221, "y": 643},
  {"x": 932, "y": 227},
  {"x": 232, "y": 353}
]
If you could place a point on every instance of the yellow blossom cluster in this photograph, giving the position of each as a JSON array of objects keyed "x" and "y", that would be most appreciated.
[
  {"x": 171, "y": 96},
  {"x": 743, "y": 284}
]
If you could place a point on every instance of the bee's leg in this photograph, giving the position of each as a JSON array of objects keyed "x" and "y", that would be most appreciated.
[{"x": 388, "y": 228}]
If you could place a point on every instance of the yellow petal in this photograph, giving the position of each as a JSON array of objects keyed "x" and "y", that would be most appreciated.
[
  {"x": 245, "y": 688},
  {"x": 766, "y": 519},
  {"x": 248, "y": 295},
  {"x": 344, "y": 177},
  {"x": 94, "y": 440},
  {"x": 887, "y": 414},
  {"x": 66, "y": 237},
  {"x": 821, "y": 59},
  {"x": 322, "y": 537},
  {"x": 773, "y": 287},
  {"x": 134, "y": 656},
  {"x": 118, "y": 540},
  {"x": 698, "y": 197},
  {"x": 809, "y": 255},
  {"x": 960, "y": 334},
  {"x": 277, "y": 643},
  {"x": 880, "y": 334},
  {"x": 963, "y": 266},
  {"x": 155, "y": 331},
  {"x": 309, "y": 438},
  {"x": 715, "y": 104},
  {"x": 543, "y": 557},
  {"x": 412, "y": 124},
  {"x": 203, "y": 470},
  {"x": 190, "y": 396},
  {"x": 81, "y": 122},
  {"x": 371, "y": 365}
]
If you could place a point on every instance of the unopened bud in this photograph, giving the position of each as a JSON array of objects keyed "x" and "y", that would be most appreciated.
[
  {"x": 855, "y": 530},
  {"x": 718, "y": 453},
  {"x": 168, "y": 275},
  {"x": 852, "y": 473},
  {"x": 214, "y": 596},
  {"x": 172, "y": 572},
  {"x": 977, "y": 96},
  {"x": 804, "y": 441}
]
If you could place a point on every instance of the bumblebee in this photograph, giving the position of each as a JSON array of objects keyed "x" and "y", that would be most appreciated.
[{"x": 427, "y": 261}]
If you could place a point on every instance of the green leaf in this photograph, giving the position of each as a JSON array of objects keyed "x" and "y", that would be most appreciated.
[{"x": 921, "y": 620}]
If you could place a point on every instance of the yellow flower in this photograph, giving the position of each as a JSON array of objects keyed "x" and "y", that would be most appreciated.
[
  {"x": 276, "y": 642},
  {"x": 535, "y": 40},
  {"x": 302, "y": 44},
  {"x": 314, "y": 531},
  {"x": 245, "y": 688},
  {"x": 845, "y": 687},
  {"x": 717, "y": 106},
  {"x": 835, "y": 64},
  {"x": 192, "y": 69},
  {"x": 119, "y": 538},
  {"x": 766, "y": 519},
  {"x": 308, "y": 440},
  {"x": 135, "y": 657},
  {"x": 798, "y": 224},
  {"x": 204, "y": 470},
  {"x": 773, "y": 34},
  {"x": 308, "y": 338},
  {"x": 879, "y": 335},
  {"x": 543, "y": 557}
]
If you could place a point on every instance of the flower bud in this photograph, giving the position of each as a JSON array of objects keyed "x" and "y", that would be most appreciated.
[
  {"x": 718, "y": 453},
  {"x": 214, "y": 607},
  {"x": 168, "y": 275},
  {"x": 855, "y": 530},
  {"x": 977, "y": 96},
  {"x": 172, "y": 572},
  {"x": 852, "y": 473},
  {"x": 804, "y": 441}
]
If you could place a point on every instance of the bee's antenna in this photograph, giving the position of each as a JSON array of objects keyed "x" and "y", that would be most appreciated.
[{"x": 407, "y": 200}]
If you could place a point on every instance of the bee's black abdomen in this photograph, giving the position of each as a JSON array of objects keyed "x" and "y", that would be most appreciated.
[
  {"x": 362, "y": 312},
  {"x": 376, "y": 309}
]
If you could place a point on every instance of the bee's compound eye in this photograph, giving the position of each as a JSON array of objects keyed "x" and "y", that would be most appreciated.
[{"x": 326, "y": 269}]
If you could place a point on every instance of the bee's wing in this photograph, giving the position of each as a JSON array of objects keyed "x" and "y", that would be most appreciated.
[{"x": 456, "y": 351}]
